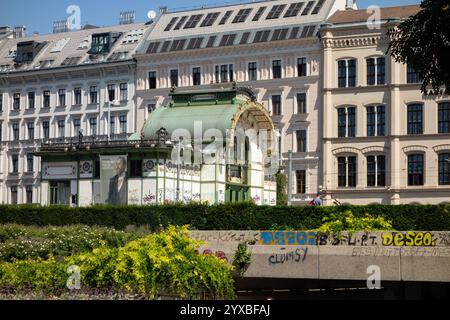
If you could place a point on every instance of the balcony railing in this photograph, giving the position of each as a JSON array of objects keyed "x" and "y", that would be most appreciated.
[{"x": 237, "y": 174}]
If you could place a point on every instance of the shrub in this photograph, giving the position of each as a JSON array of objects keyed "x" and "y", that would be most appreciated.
[
  {"x": 243, "y": 216},
  {"x": 22, "y": 242},
  {"x": 162, "y": 263}
]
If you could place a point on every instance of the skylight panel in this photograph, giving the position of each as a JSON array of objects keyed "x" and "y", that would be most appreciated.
[
  {"x": 153, "y": 47},
  {"x": 242, "y": 15},
  {"x": 195, "y": 43},
  {"x": 178, "y": 45},
  {"x": 165, "y": 46},
  {"x": 59, "y": 45},
  {"x": 193, "y": 21},
  {"x": 261, "y": 36},
  {"x": 85, "y": 43},
  {"x": 294, "y": 33},
  {"x": 307, "y": 8},
  {"x": 171, "y": 23},
  {"x": 276, "y": 11},
  {"x": 70, "y": 61},
  {"x": 226, "y": 17},
  {"x": 279, "y": 34},
  {"x": 259, "y": 13},
  {"x": 227, "y": 40},
  {"x": 180, "y": 23},
  {"x": 318, "y": 6},
  {"x": 209, "y": 19},
  {"x": 293, "y": 10},
  {"x": 244, "y": 38},
  {"x": 12, "y": 53},
  {"x": 211, "y": 41}
]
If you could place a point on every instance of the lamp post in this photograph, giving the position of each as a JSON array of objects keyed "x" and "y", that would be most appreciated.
[{"x": 289, "y": 198}]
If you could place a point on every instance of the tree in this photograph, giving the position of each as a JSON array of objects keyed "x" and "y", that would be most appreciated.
[
  {"x": 423, "y": 41},
  {"x": 281, "y": 189}
]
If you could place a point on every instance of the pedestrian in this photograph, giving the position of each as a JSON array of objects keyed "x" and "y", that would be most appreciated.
[{"x": 318, "y": 200}]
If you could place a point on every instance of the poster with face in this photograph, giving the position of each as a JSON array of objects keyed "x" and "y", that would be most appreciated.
[{"x": 113, "y": 177}]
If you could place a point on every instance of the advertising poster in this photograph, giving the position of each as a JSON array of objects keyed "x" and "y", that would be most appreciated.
[{"x": 113, "y": 177}]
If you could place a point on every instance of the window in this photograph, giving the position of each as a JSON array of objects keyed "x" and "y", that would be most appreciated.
[
  {"x": 301, "y": 103},
  {"x": 276, "y": 105},
  {"x": 415, "y": 119},
  {"x": 193, "y": 21},
  {"x": 14, "y": 195},
  {"x": 93, "y": 94},
  {"x": 135, "y": 168},
  {"x": 62, "y": 97},
  {"x": 209, "y": 19},
  {"x": 347, "y": 122},
  {"x": 112, "y": 125},
  {"x": 174, "y": 78},
  {"x": 276, "y": 11},
  {"x": 244, "y": 38},
  {"x": 30, "y": 126},
  {"x": 111, "y": 92},
  {"x": 76, "y": 127},
  {"x": 444, "y": 117},
  {"x": 227, "y": 40},
  {"x": 196, "y": 76},
  {"x": 16, "y": 131},
  {"x": 375, "y": 121},
  {"x": 301, "y": 181},
  {"x": 444, "y": 169},
  {"x": 242, "y": 15},
  {"x": 375, "y": 71},
  {"x": 29, "y": 193},
  {"x": 152, "y": 80},
  {"x": 211, "y": 41},
  {"x": 224, "y": 73},
  {"x": 93, "y": 126},
  {"x": 31, "y": 100},
  {"x": 171, "y": 24},
  {"x": 46, "y": 94},
  {"x": 123, "y": 123},
  {"x": 301, "y": 141},
  {"x": 376, "y": 171},
  {"x": 15, "y": 163},
  {"x": 30, "y": 162},
  {"x": 252, "y": 71},
  {"x": 123, "y": 91},
  {"x": 261, "y": 36},
  {"x": 412, "y": 76},
  {"x": 293, "y": 10},
  {"x": 308, "y": 8},
  {"x": 45, "y": 130},
  {"x": 346, "y": 73},
  {"x": 16, "y": 101},
  {"x": 276, "y": 69},
  {"x": 301, "y": 67},
  {"x": 77, "y": 95},
  {"x": 61, "y": 128},
  {"x": 259, "y": 13},
  {"x": 415, "y": 170},
  {"x": 347, "y": 171},
  {"x": 101, "y": 43},
  {"x": 225, "y": 17}
]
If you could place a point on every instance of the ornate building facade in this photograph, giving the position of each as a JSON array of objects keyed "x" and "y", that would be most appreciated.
[{"x": 383, "y": 140}]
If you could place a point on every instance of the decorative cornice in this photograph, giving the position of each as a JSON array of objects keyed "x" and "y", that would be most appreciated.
[
  {"x": 415, "y": 148},
  {"x": 345, "y": 150},
  {"x": 442, "y": 147}
]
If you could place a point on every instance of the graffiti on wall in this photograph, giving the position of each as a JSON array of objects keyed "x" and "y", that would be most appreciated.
[
  {"x": 287, "y": 238},
  {"x": 293, "y": 256},
  {"x": 410, "y": 238}
]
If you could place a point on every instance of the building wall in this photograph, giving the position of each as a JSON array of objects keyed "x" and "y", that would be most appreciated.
[{"x": 360, "y": 43}]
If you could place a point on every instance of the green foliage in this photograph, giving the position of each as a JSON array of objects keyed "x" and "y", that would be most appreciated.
[
  {"x": 423, "y": 41},
  {"x": 242, "y": 258},
  {"x": 25, "y": 242},
  {"x": 281, "y": 189},
  {"x": 243, "y": 216},
  {"x": 161, "y": 263},
  {"x": 346, "y": 221}
]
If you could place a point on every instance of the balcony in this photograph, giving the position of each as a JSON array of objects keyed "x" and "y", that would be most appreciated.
[{"x": 237, "y": 174}]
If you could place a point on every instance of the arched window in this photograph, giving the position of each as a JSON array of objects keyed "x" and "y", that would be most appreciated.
[
  {"x": 415, "y": 169},
  {"x": 444, "y": 168}
]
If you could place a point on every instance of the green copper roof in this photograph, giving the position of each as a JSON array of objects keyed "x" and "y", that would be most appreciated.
[{"x": 172, "y": 118}]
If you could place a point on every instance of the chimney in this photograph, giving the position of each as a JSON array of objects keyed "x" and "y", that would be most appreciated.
[
  {"x": 19, "y": 32},
  {"x": 127, "y": 17},
  {"x": 60, "y": 26},
  {"x": 350, "y": 4},
  {"x": 162, "y": 10}
]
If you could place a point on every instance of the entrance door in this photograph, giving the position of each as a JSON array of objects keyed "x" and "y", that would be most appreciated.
[
  {"x": 236, "y": 194},
  {"x": 60, "y": 192}
]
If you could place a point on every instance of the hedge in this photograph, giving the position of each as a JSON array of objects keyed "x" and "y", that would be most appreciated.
[{"x": 243, "y": 216}]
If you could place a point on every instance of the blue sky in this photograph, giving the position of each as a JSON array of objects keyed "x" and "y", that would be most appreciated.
[{"x": 38, "y": 15}]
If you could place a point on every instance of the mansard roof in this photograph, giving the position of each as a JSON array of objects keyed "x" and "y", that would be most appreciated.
[{"x": 69, "y": 49}]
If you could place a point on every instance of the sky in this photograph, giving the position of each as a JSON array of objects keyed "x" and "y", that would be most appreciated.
[{"x": 38, "y": 15}]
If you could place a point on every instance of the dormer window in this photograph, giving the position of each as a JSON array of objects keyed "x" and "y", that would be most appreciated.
[
  {"x": 103, "y": 42},
  {"x": 25, "y": 52}
]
